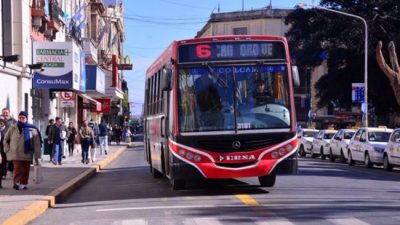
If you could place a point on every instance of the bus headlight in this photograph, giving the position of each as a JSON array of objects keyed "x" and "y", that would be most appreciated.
[
  {"x": 189, "y": 155},
  {"x": 181, "y": 152},
  {"x": 197, "y": 158},
  {"x": 281, "y": 151},
  {"x": 289, "y": 147},
  {"x": 274, "y": 155}
]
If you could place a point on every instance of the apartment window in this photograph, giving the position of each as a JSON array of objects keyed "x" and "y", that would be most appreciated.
[{"x": 239, "y": 30}]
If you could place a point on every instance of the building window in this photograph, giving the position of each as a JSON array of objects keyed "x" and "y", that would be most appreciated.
[{"x": 239, "y": 30}]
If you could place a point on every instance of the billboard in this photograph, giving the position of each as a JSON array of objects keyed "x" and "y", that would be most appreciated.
[
  {"x": 357, "y": 92},
  {"x": 61, "y": 65}
]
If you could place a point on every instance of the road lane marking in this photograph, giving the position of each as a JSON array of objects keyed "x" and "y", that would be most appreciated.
[
  {"x": 131, "y": 222},
  {"x": 247, "y": 199},
  {"x": 274, "y": 221},
  {"x": 346, "y": 221},
  {"x": 202, "y": 221},
  {"x": 168, "y": 207}
]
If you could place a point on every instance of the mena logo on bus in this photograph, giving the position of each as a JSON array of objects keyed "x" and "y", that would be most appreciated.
[{"x": 236, "y": 157}]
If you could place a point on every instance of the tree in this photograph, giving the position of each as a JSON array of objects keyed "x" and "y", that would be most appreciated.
[
  {"x": 315, "y": 33},
  {"x": 393, "y": 74}
]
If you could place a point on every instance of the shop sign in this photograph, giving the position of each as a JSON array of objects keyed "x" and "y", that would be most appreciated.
[{"x": 61, "y": 65}]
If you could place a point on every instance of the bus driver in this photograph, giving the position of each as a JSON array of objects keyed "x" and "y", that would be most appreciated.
[{"x": 261, "y": 95}]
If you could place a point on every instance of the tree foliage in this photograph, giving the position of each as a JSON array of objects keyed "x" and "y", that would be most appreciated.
[{"x": 314, "y": 31}]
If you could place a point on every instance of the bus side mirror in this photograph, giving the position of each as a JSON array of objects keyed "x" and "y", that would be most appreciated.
[
  {"x": 296, "y": 76},
  {"x": 166, "y": 75}
]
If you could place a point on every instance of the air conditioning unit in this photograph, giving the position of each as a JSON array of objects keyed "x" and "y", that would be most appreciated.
[
  {"x": 37, "y": 21},
  {"x": 49, "y": 32}
]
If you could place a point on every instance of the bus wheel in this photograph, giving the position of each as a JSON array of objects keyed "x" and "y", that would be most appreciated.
[
  {"x": 268, "y": 180},
  {"x": 367, "y": 161},
  {"x": 302, "y": 153},
  {"x": 386, "y": 164},
  {"x": 177, "y": 184}
]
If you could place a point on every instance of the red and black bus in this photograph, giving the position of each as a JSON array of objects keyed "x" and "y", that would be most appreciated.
[{"x": 221, "y": 107}]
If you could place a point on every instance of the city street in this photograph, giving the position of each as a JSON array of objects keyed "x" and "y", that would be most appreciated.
[{"x": 322, "y": 193}]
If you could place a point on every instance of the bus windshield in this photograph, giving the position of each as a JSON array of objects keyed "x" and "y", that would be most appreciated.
[{"x": 229, "y": 98}]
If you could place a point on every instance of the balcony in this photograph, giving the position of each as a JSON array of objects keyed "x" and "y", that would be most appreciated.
[{"x": 90, "y": 52}]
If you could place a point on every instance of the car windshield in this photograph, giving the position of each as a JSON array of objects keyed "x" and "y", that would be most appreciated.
[
  {"x": 309, "y": 133},
  {"x": 328, "y": 135},
  {"x": 378, "y": 136},
  {"x": 348, "y": 135},
  {"x": 215, "y": 98}
]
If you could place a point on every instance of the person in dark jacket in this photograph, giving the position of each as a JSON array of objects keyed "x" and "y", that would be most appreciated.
[
  {"x": 103, "y": 136},
  {"x": 55, "y": 138},
  {"x": 50, "y": 146},
  {"x": 71, "y": 135}
]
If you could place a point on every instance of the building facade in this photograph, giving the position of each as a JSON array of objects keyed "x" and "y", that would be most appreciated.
[{"x": 68, "y": 53}]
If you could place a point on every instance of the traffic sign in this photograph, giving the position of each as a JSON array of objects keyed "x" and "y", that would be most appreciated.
[{"x": 67, "y": 95}]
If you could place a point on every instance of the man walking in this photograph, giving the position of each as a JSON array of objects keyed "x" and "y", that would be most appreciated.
[
  {"x": 103, "y": 137},
  {"x": 55, "y": 138},
  {"x": 22, "y": 143}
]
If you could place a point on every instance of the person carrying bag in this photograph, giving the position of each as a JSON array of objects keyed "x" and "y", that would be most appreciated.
[{"x": 87, "y": 140}]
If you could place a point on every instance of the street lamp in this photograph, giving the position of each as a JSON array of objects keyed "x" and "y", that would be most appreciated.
[{"x": 302, "y": 5}]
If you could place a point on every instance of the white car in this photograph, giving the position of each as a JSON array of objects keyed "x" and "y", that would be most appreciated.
[
  {"x": 339, "y": 143},
  {"x": 321, "y": 143},
  {"x": 305, "y": 137},
  {"x": 367, "y": 145},
  {"x": 391, "y": 155}
]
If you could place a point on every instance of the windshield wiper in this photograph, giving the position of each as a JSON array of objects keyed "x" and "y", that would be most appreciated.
[{"x": 216, "y": 77}]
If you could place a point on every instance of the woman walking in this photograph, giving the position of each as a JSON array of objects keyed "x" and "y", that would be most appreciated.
[
  {"x": 71, "y": 138},
  {"x": 22, "y": 143},
  {"x": 87, "y": 140}
]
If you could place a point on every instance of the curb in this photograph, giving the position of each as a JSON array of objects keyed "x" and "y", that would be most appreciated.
[{"x": 38, "y": 207}]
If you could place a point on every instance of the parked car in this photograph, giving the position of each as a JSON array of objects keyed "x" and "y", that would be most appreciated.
[
  {"x": 368, "y": 145},
  {"x": 320, "y": 145},
  {"x": 305, "y": 137},
  {"x": 339, "y": 143},
  {"x": 391, "y": 155}
]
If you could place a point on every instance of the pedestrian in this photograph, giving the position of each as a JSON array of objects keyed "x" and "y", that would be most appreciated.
[
  {"x": 55, "y": 138},
  {"x": 22, "y": 143},
  {"x": 3, "y": 162},
  {"x": 71, "y": 138},
  {"x": 87, "y": 141},
  {"x": 49, "y": 146},
  {"x": 9, "y": 121},
  {"x": 117, "y": 133},
  {"x": 103, "y": 137},
  {"x": 64, "y": 137}
]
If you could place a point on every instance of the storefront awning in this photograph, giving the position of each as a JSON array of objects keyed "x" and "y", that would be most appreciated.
[{"x": 91, "y": 103}]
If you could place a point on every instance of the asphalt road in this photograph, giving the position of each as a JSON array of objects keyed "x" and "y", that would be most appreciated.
[{"x": 322, "y": 193}]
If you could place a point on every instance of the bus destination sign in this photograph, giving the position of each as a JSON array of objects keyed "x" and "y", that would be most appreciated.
[{"x": 227, "y": 51}]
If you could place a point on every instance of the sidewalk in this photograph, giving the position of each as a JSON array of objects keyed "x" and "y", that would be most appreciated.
[{"x": 20, "y": 207}]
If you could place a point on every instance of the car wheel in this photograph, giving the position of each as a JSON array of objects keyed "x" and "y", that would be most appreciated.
[
  {"x": 302, "y": 152},
  {"x": 313, "y": 155},
  {"x": 367, "y": 161},
  {"x": 322, "y": 153},
  {"x": 386, "y": 164},
  {"x": 268, "y": 180},
  {"x": 350, "y": 160},
  {"x": 331, "y": 157},
  {"x": 342, "y": 158}
]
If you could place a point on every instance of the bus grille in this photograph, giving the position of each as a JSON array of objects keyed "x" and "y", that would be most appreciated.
[
  {"x": 224, "y": 146},
  {"x": 235, "y": 165}
]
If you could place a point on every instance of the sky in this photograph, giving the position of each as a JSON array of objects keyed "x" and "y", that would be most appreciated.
[{"x": 152, "y": 25}]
